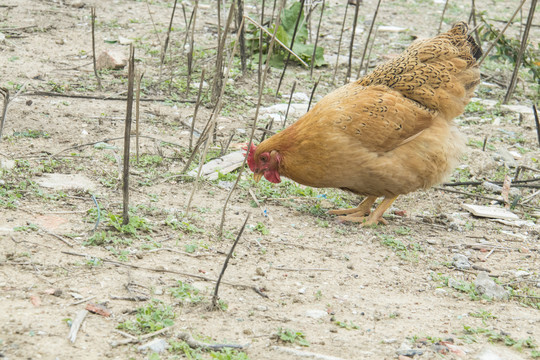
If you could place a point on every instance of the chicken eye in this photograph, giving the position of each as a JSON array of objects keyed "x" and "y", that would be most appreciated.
[{"x": 264, "y": 158}]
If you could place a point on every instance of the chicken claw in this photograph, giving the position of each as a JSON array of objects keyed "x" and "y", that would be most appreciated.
[
  {"x": 358, "y": 212},
  {"x": 374, "y": 218}
]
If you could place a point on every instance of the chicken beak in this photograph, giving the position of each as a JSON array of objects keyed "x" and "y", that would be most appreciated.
[{"x": 257, "y": 177}]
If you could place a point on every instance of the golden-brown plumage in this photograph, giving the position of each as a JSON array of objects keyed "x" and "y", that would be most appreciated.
[{"x": 386, "y": 134}]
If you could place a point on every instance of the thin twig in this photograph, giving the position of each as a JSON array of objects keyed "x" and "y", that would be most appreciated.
[
  {"x": 530, "y": 197},
  {"x": 166, "y": 44},
  {"x": 368, "y": 38},
  {"x": 469, "y": 194},
  {"x": 5, "y": 94},
  {"x": 16, "y": 28},
  {"x": 339, "y": 43},
  {"x": 153, "y": 23},
  {"x": 200, "y": 142},
  {"x": 242, "y": 37},
  {"x": 194, "y": 344},
  {"x": 519, "y": 58},
  {"x": 305, "y": 354},
  {"x": 178, "y": 252},
  {"x": 215, "y": 297},
  {"x": 313, "y": 92},
  {"x": 197, "y": 104},
  {"x": 93, "y": 17},
  {"x": 300, "y": 13},
  {"x": 489, "y": 254},
  {"x": 355, "y": 21},
  {"x": 316, "y": 42},
  {"x": 137, "y": 298},
  {"x": 127, "y": 135},
  {"x": 515, "y": 182},
  {"x": 82, "y": 300},
  {"x": 191, "y": 44},
  {"x": 76, "y": 325},
  {"x": 306, "y": 269},
  {"x": 137, "y": 114},
  {"x": 141, "y": 338},
  {"x": 191, "y": 24},
  {"x": 125, "y": 334},
  {"x": 263, "y": 209},
  {"x": 288, "y": 105},
  {"x": 98, "y": 213},
  {"x": 199, "y": 171},
  {"x": 259, "y": 65},
  {"x": 218, "y": 76},
  {"x": 442, "y": 16},
  {"x": 536, "y": 121},
  {"x": 57, "y": 236},
  {"x": 370, "y": 49}
]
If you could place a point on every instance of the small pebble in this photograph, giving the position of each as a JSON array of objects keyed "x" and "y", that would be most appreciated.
[
  {"x": 156, "y": 345},
  {"x": 410, "y": 353},
  {"x": 158, "y": 291},
  {"x": 461, "y": 262},
  {"x": 316, "y": 314}
]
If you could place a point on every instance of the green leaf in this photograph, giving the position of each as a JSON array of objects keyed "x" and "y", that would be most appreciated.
[
  {"x": 305, "y": 51},
  {"x": 283, "y": 36},
  {"x": 288, "y": 21}
]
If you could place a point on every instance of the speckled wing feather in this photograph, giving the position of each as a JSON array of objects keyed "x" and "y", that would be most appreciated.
[
  {"x": 438, "y": 73},
  {"x": 376, "y": 117},
  {"x": 399, "y": 99}
]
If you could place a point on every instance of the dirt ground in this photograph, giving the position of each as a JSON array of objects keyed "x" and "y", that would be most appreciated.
[{"x": 299, "y": 284}]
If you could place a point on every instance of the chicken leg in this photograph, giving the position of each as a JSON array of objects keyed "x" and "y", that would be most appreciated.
[
  {"x": 358, "y": 213},
  {"x": 375, "y": 217}
]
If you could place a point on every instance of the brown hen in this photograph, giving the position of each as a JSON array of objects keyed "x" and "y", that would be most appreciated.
[{"x": 386, "y": 134}]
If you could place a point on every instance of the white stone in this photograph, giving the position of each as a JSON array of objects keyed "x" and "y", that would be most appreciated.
[
  {"x": 224, "y": 164},
  {"x": 518, "y": 108},
  {"x": 316, "y": 314},
  {"x": 124, "y": 41},
  {"x": 111, "y": 59},
  {"x": 392, "y": 28},
  {"x": 66, "y": 182},
  {"x": 490, "y": 212},
  {"x": 156, "y": 345},
  {"x": 7, "y": 164}
]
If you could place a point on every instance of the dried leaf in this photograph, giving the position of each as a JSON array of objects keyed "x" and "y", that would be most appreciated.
[
  {"x": 98, "y": 309},
  {"x": 506, "y": 190}
]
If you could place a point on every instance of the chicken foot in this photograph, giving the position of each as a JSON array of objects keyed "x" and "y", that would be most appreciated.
[
  {"x": 358, "y": 213},
  {"x": 375, "y": 217}
]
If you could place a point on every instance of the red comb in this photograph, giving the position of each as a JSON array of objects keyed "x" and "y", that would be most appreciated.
[{"x": 251, "y": 155}]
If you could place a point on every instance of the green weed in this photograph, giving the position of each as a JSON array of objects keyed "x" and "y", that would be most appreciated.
[
  {"x": 291, "y": 336},
  {"x": 408, "y": 252},
  {"x": 349, "y": 325},
  {"x": 186, "y": 293},
  {"x": 152, "y": 317}
]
